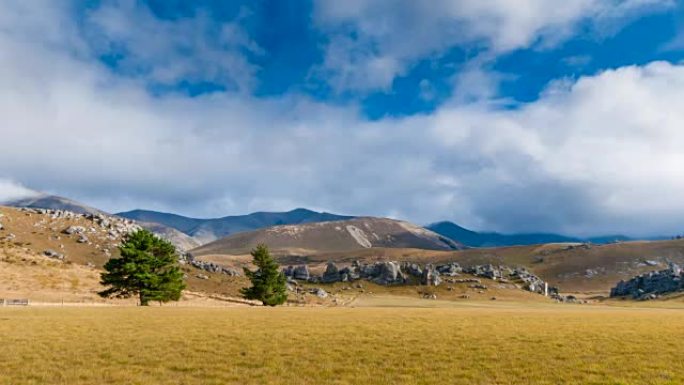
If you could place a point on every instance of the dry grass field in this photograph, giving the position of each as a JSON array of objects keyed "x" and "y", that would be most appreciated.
[{"x": 487, "y": 344}]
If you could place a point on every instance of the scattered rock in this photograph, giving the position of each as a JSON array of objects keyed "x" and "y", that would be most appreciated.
[
  {"x": 320, "y": 293},
  {"x": 590, "y": 273},
  {"x": 53, "y": 254},
  {"x": 206, "y": 266},
  {"x": 74, "y": 230},
  {"x": 202, "y": 276}
]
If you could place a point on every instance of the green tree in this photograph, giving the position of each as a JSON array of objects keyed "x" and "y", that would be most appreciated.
[
  {"x": 148, "y": 268},
  {"x": 268, "y": 283}
]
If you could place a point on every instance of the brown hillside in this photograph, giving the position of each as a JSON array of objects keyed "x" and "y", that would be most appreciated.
[
  {"x": 26, "y": 272},
  {"x": 337, "y": 236},
  {"x": 572, "y": 267}
]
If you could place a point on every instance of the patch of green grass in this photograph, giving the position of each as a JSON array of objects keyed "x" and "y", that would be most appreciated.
[{"x": 488, "y": 345}]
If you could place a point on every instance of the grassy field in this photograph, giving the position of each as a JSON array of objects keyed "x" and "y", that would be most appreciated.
[{"x": 491, "y": 344}]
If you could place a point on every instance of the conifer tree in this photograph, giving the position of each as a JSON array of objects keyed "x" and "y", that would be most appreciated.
[
  {"x": 268, "y": 283},
  {"x": 148, "y": 268}
]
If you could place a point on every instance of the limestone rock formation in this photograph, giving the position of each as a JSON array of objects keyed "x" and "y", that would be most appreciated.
[{"x": 649, "y": 285}]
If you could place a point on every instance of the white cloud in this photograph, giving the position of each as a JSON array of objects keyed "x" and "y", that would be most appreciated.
[
  {"x": 401, "y": 32},
  {"x": 610, "y": 141},
  {"x": 600, "y": 154},
  {"x": 11, "y": 190},
  {"x": 193, "y": 49}
]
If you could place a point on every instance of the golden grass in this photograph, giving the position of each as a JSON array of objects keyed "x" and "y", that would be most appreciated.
[{"x": 545, "y": 344}]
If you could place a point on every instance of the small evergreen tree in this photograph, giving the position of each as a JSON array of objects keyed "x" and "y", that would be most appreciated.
[
  {"x": 268, "y": 283},
  {"x": 147, "y": 268}
]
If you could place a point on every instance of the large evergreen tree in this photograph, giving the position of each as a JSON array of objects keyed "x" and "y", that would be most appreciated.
[
  {"x": 148, "y": 268},
  {"x": 268, "y": 283}
]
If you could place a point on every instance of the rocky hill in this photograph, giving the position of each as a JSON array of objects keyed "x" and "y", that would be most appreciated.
[
  {"x": 181, "y": 240},
  {"x": 52, "y": 255},
  {"x": 209, "y": 230},
  {"x": 349, "y": 235}
]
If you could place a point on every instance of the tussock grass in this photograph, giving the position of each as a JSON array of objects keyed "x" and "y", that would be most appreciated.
[{"x": 488, "y": 345}]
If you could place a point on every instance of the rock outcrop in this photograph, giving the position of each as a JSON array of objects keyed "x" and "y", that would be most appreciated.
[
  {"x": 387, "y": 273},
  {"x": 430, "y": 276},
  {"x": 652, "y": 284},
  {"x": 396, "y": 273},
  {"x": 301, "y": 272},
  {"x": 331, "y": 275},
  {"x": 208, "y": 266}
]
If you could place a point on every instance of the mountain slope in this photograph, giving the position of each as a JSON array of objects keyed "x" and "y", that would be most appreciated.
[
  {"x": 52, "y": 202},
  {"x": 348, "y": 235},
  {"x": 208, "y": 230},
  {"x": 491, "y": 239}
]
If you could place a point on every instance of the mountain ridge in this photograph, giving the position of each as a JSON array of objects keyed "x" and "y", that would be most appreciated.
[
  {"x": 493, "y": 239},
  {"x": 211, "y": 229}
]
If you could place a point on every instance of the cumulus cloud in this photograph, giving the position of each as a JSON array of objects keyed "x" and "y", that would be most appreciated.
[
  {"x": 596, "y": 155},
  {"x": 599, "y": 155},
  {"x": 374, "y": 41}
]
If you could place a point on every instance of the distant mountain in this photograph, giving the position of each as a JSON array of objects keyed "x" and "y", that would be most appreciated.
[
  {"x": 53, "y": 202},
  {"x": 490, "y": 239},
  {"x": 209, "y": 230},
  {"x": 346, "y": 235}
]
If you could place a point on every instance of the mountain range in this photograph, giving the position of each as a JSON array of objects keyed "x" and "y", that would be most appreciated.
[
  {"x": 209, "y": 230},
  {"x": 190, "y": 232},
  {"x": 491, "y": 239}
]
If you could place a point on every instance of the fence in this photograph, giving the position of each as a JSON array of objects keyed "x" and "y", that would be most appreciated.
[{"x": 14, "y": 302}]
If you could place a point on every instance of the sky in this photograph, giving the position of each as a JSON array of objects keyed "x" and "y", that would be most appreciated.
[{"x": 512, "y": 116}]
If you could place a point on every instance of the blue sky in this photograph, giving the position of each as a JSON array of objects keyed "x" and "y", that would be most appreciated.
[
  {"x": 511, "y": 116},
  {"x": 291, "y": 47}
]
